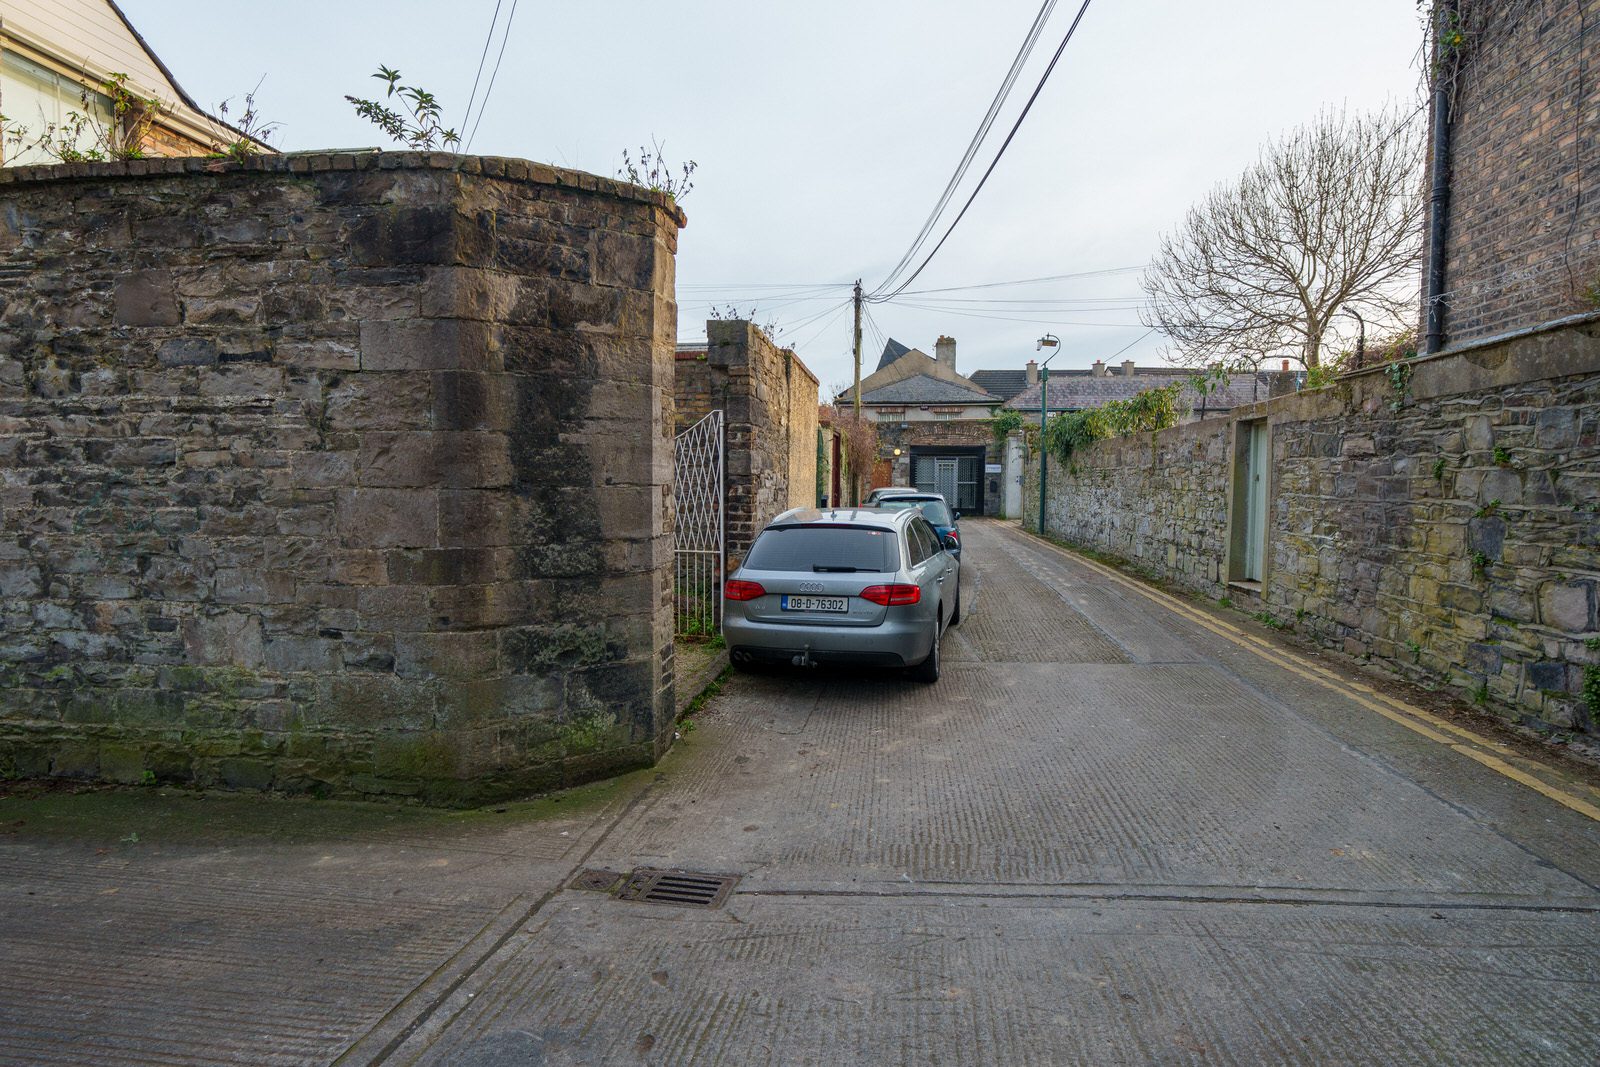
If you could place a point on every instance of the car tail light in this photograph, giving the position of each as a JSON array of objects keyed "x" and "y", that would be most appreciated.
[
  {"x": 953, "y": 533},
  {"x": 888, "y": 595},
  {"x": 738, "y": 590}
]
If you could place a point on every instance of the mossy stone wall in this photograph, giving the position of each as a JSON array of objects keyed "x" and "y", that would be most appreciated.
[
  {"x": 1444, "y": 519},
  {"x": 340, "y": 473}
]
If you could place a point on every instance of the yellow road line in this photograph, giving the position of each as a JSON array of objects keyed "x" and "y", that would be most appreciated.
[{"x": 1413, "y": 718}]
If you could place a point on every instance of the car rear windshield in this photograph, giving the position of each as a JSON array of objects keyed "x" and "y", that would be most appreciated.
[
  {"x": 823, "y": 549},
  {"x": 935, "y": 511}
]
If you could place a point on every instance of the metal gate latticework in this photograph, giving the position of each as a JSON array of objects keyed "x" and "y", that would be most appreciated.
[{"x": 699, "y": 500}]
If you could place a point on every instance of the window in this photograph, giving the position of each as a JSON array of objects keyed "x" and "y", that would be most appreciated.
[
  {"x": 916, "y": 551},
  {"x": 824, "y": 549},
  {"x": 935, "y": 511},
  {"x": 35, "y": 98},
  {"x": 925, "y": 535}
]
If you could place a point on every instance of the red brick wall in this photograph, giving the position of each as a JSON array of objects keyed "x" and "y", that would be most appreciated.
[
  {"x": 1523, "y": 244},
  {"x": 699, "y": 387}
]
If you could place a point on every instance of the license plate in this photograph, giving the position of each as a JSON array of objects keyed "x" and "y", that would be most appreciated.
[{"x": 816, "y": 603}]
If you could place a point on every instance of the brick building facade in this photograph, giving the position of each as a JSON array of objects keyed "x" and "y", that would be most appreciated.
[{"x": 1522, "y": 246}]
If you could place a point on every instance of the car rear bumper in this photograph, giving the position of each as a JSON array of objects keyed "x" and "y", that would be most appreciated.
[{"x": 892, "y": 643}]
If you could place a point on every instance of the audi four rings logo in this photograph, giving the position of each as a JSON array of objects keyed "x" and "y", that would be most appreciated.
[{"x": 811, "y": 587}]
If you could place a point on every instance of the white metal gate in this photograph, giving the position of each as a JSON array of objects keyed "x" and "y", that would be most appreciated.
[{"x": 698, "y": 498}]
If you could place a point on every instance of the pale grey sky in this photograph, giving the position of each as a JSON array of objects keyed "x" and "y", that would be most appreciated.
[{"x": 826, "y": 130}]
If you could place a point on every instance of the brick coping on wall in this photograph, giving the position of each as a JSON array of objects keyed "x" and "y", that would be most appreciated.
[{"x": 504, "y": 167}]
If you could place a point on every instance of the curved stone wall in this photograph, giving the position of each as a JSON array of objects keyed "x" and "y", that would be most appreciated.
[{"x": 342, "y": 473}]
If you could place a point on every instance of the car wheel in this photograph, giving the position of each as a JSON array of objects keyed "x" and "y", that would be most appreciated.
[{"x": 928, "y": 669}]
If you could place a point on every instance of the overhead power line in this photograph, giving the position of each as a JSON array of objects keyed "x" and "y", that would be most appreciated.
[
  {"x": 1000, "y": 97},
  {"x": 484, "y": 103},
  {"x": 488, "y": 39},
  {"x": 1028, "y": 281},
  {"x": 998, "y": 155}
]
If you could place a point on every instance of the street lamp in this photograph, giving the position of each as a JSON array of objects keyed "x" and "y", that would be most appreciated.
[
  {"x": 1049, "y": 340},
  {"x": 1361, "y": 340}
]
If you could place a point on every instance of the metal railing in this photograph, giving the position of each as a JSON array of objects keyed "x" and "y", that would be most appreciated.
[{"x": 699, "y": 538}]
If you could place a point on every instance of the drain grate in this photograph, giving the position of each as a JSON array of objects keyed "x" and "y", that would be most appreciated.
[
  {"x": 597, "y": 881},
  {"x": 685, "y": 889}
]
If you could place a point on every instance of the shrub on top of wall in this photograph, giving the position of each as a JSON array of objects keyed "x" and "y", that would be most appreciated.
[{"x": 1152, "y": 409}]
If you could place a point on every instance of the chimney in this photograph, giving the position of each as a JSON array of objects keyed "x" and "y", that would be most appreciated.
[
  {"x": 1098, "y": 368},
  {"x": 1127, "y": 368},
  {"x": 945, "y": 349},
  {"x": 1033, "y": 372},
  {"x": 1286, "y": 366}
]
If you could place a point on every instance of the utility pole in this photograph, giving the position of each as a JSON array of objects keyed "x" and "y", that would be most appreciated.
[{"x": 858, "y": 349}]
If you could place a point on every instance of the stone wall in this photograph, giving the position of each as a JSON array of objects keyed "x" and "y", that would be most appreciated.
[
  {"x": 1523, "y": 242},
  {"x": 1453, "y": 532},
  {"x": 337, "y": 473},
  {"x": 803, "y": 394},
  {"x": 771, "y": 404}
]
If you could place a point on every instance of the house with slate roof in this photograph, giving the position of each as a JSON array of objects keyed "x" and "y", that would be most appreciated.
[
  {"x": 56, "y": 57},
  {"x": 1079, "y": 390},
  {"x": 934, "y": 423},
  {"x": 933, "y": 426}
]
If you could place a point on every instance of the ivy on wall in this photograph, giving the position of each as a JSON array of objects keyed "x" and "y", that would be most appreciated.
[{"x": 1152, "y": 409}]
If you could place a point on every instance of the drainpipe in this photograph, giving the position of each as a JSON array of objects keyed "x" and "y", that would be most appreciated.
[{"x": 1439, "y": 197}]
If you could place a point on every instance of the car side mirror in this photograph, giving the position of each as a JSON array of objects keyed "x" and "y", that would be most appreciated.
[
  {"x": 949, "y": 542},
  {"x": 955, "y": 514}
]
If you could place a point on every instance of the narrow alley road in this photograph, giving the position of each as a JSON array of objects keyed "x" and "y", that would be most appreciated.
[
  {"x": 1107, "y": 836},
  {"x": 1116, "y": 832}
]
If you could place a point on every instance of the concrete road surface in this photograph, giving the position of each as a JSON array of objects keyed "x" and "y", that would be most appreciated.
[{"x": 1118, "y": 831}]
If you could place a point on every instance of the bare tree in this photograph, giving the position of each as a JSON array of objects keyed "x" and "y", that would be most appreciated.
[{"x": 1328, "y": 220}]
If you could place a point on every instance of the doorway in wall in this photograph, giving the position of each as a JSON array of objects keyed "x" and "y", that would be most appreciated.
[
  {"x": 1248, "y": 541},
  {"x": 956, "y": 473}
]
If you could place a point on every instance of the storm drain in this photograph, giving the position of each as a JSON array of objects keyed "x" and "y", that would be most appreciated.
[{"x": 684, "y": 889}]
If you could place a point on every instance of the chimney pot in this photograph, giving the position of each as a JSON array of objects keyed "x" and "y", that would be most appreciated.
[
  {"x": 1127, "y": 367},
  {"x": 1033, "y": 372}
]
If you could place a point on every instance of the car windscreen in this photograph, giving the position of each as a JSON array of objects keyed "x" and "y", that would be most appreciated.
[
  {"x": 935, "y": 511},
  {"x": 824, "y": 549}
]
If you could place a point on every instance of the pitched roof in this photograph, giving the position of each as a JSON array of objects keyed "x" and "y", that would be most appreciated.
[
  {"x": 892, "y": 350},
  {"x": 924, "y": 389},
  {"x": 94, "y": 38},
  {"x": 1078, "y": 393},
  {"x": 910, "y": 365},
  {"x": 1004, "y": 384}
]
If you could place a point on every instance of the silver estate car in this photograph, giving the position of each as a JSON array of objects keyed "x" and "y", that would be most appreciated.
[{"x": 845, "y": 585}]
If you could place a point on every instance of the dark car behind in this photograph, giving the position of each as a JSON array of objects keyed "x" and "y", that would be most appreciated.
[{"x": 934, "y": 508}]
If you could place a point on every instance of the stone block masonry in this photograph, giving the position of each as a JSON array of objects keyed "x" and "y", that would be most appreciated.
[
  {"x": 340, "y": 473},
  {"x": 1451, "y": 530}
]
